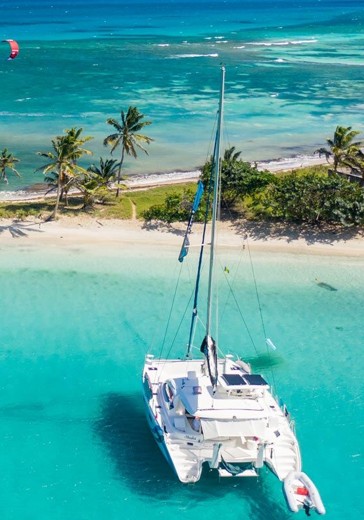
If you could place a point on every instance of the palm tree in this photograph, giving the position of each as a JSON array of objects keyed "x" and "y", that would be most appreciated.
[
  {"x": 127, "y": 136},
  {"x": 7, "y": 162},
  {"x": 359, "y": 163},
  {"x": 96, "y": 184},
  {"x": 76, "y": 142},
  {"x": 106, "y": 171},
  {"x": 342, "y": 149},
  {"x": 230, "y": 155},
  {"x": 67, "y": 149}
]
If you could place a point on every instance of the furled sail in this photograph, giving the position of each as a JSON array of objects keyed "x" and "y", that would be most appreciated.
[
  {"x": 196, "y": 203},
  {"x": 208, "y": 348}
]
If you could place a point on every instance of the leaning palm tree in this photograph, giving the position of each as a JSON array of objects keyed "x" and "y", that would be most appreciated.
[
  {"x": 342, "y": 149},
  {"x": 358, "y": 164},
  {"x": 7, "y": 162},
  {"x": 76, "y": 141},
  {"x": 127, "y": 136},
  {"x": 62, "y": 165}
]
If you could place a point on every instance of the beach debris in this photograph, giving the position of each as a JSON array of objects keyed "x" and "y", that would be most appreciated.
[{"x": 14, "y": 49}]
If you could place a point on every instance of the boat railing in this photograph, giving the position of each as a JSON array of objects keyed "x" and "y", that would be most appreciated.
[{"x": 149, "y": 359}]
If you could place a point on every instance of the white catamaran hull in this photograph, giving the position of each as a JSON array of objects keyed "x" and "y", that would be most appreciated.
[{"x": 237, "y": 430}]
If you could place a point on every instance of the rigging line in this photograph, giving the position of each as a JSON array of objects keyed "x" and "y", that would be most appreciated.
[
  {"x": 170, "y": 312},
  {"x": 216, "y": 286},
  {"x": 179, "y": 326},
  {"x": 241, "y": 314},
  {"x": 200, "y": 259},
  {"x": 259, "y": 306},
  {"x": 256, "y": 289},
  {"x": 258, "y": 299},
  {"x": 231, "y": 289},
  {"x": 175, "y": 336},
  {"x": 151, "y": 343},
  {"x": 212, "y": 143},
  {"x": 187, "y": 266}
]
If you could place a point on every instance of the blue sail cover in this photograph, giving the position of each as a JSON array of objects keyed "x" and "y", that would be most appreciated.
[
  {"x": 208, "y": 348},
  {"x": 196, "y": 203}
]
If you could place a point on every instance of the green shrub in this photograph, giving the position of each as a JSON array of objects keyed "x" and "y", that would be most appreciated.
[
  {"x": 175, "y": 208},
  {"x": 314, "y": 198}
]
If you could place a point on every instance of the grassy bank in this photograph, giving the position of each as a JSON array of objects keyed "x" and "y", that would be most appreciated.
[{"x": 131, "y": 204}]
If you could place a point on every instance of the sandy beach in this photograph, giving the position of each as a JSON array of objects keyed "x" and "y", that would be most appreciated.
[
  {"x": 102, "y": 235},
  {"x": 92, "y": 233}
]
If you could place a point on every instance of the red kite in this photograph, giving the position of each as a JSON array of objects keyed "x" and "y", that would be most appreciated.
[{"x": 14, "y": 49}]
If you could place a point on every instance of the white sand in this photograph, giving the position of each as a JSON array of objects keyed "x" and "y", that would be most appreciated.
[{"x": 89, "y": 233}]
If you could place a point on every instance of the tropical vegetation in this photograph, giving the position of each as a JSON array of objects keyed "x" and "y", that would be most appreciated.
[
  {"x": 312, "y": 198},
  {"x": 238, "y": 177},
  {"x": 7, "y": 162},
  {"x": 303, "y": 196},
  {"x": 344, "y": 151},
  {"x": 62, "y": 170},
  {"x": 127, "y": 136},
  {"x": 97, "y": 184},
  {"x": 176, "y": 207}
]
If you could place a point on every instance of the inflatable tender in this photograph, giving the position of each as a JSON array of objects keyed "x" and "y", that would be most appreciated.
[{"x": 301, "y": 493}]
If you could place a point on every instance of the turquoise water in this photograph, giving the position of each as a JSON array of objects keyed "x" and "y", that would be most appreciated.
[
  {"x": 294, "y": 71},
  {"x": 75, "y": 325}
]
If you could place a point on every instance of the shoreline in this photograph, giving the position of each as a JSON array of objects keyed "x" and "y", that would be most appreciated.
[
  {"x": 143, "y": 181},
  {"x": 90, "y": 232}
]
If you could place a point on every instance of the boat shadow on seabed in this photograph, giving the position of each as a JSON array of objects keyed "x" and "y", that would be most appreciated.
[{"x": 123, "y": 431}]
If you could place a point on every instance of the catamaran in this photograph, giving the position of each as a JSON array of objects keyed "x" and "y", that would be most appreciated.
[{"x": 213, "y": 411}]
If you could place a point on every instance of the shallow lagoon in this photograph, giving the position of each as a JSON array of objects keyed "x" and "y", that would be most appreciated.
[{"x": 75, "y": 326}]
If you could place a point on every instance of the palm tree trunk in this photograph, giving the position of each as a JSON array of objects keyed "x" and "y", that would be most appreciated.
[
  {"x": 55, "y": 210},
  {"x": 336, "y": 163},
  {"x": 119, "y": 173}
]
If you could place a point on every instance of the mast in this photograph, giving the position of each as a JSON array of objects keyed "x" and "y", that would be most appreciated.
[{"x": 216, "y": 181}]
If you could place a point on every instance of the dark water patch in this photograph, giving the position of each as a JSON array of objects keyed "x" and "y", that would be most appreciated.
[
  {"x": 264, "y": 361},
  {"x": 123, "y": 431},
  {"x": 38, "y": 412},
  {"x": 32, "y": 23},
  {"x": 325, "y": 285},
  {"x": 21, "y": 410}
]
